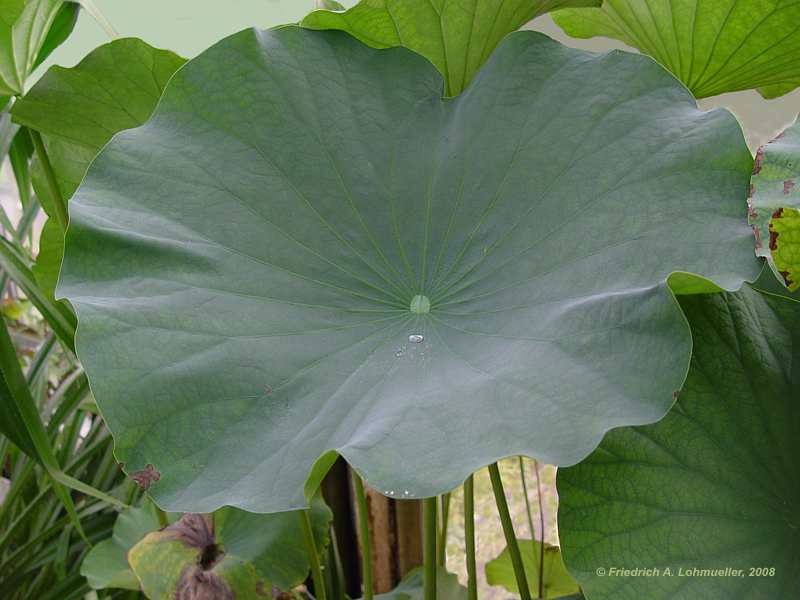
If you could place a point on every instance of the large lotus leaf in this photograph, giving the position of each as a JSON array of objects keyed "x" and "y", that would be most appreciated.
[
  {"x": 307, "y": 249},
  {"x": 556, "y": 583},
  {"x": 106, "y": 564},
  {"x": 715, "y": 485},
  {"x": 457, "y": 36},
  {"x": 774, "y": 203},
  {"x": 77, "y": 110},
  {"x": 713, "y": 47},
  {"x": 229, "y": 555},
  {"x": 25, "y": 37}
]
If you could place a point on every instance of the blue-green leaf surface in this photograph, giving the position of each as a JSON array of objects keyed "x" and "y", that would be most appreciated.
[{"x": 307, "y": 250}]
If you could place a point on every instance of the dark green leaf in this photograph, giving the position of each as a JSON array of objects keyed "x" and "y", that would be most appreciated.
[
  {"x": 249, "y": 266},
  {"x": 713, "y": 47},
  {"x": 48, "y": 261},
  {"x": 557, "y": 581},
  {"x": 61, "y": 28},
  {"x": 7, "y": 129},
  {"x": 19, "y": 155},
  {"x": 457, "y": 36},
  {"x": 715, "y": 484}
]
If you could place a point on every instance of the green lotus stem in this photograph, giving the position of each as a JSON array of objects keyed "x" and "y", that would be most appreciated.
[
  {"x": 536, "y": 559},
  {"x": 334, "y": 570},
  {"x": 429, "y": 546},
  {"x": 541, "y": 527},
  {"x": 508, "y": 531},
  {"x": 443, "y": 529},
  {"x": 363, "y": 528},
  {"x": 59, "y": 204},
  {"x": 160, "y": 515},
  {"x": 469, "y": 538},
  {"x": 313, "y": 557}
]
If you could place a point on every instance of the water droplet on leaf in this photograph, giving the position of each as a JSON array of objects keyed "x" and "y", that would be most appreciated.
[{"x": 415, "y": 338}]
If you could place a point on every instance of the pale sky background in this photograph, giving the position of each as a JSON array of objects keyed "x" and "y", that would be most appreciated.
[{"x": 189, "y": 26}]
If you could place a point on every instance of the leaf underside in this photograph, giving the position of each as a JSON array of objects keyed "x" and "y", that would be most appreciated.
[
  {"x": 712, "y": 486},
  {"x": 713, "y": 47},
  {"x": 249, "y": 266}
]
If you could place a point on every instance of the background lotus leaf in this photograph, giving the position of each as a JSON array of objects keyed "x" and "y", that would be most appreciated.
[
  {"x": 77, "y": 110},
  {"x": 228, "y": 555},
  {"x": 713, "y": 47},
  {"x": 774, "y": 204},
  {"x": 557, "y": 582},
  {"x": 457, "y": 36},
  {"x": 712, "y": 486}
]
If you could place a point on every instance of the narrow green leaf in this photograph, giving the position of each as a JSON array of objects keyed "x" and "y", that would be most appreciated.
[
  {"x": 713, "y": 47},
  {"x": 59, "y": 31},
  {"x": 557, "y": 580},
  {"x": 12, "y": 423},
  {"x": 14, "y": 382},
  {"x": 19, "y": 156},
  {"x": 48, "y": 261},
  {"x": 24, "y": 29},
  {"x": 774, "y": 204},
  {"x": 7, "y": 129},
  {"x": 57, "y": 314},
  {"x": 714, "y": 486},
  {"x": 457, "y": 36}
]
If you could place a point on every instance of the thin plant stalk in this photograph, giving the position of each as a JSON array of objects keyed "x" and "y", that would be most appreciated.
[
  {"x": 313, "y": 557},
  {"x": 429, "y": 531},
  {"x": 541, "y": 524},
  {"x": 160, "y": 515},
  {"x": 363, "y": 528},
  {"x": 469, "y": 538},
  {"x": 443, "y": 529},
  {"x": 59, "y": 204},
  {"x": 334, "y": 570},
  {"x": 508, "y": 531},
  {"x": 538, "y": 557}
]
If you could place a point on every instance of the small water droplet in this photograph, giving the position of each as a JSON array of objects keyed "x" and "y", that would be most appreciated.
[
  {"x": 399, "y": 353},
  {"x": 415, "y": 338}
]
